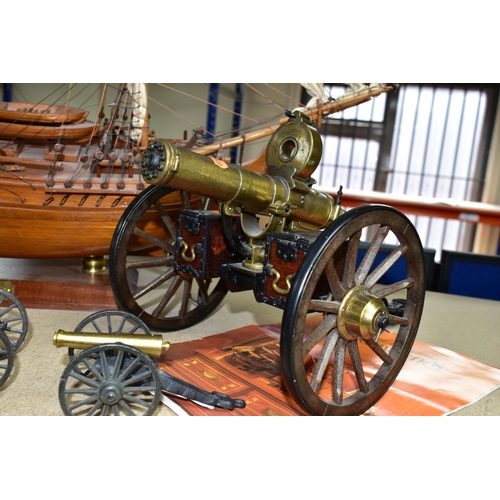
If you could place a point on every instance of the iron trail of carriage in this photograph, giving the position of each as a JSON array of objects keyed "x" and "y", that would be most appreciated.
[{"x": 296, "y": 248}]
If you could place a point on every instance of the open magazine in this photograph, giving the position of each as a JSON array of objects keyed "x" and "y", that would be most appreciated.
[{"x": 244, "y": 363}]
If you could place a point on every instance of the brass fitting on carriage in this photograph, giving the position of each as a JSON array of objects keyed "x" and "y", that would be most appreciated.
[{"x": 150, "y": 344}]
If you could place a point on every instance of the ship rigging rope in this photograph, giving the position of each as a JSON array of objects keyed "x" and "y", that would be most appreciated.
[
  {"x": 206, "y": 102},
  {"x": 112, "y": 160},
  {"x": 81, "y": 164},
  {"x": 278, "y": 91},
  {"x": 57, "y": 146},
  {"x": 19, "y": 178},
  {"x": 274, "y": 103},
  {"x": 11, "y": 141},
  {"x": 228, "y": 133}
]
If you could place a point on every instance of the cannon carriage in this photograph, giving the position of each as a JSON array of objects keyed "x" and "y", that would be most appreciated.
[{"x": 296, "y": 248}]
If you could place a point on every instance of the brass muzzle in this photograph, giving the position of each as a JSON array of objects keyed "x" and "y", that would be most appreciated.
[{"x": 150, "y": 344}]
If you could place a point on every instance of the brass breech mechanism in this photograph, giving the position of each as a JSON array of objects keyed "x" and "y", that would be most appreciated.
[{"x": 283, "y": 200}]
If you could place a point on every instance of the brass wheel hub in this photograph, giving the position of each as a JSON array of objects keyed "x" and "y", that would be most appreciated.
[{"x": 361, "y": 315}]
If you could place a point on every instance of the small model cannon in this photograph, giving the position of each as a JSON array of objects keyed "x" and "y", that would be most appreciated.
[
  {"x": 295, "y": 247},
  {"x": 111, "y": 370},
  {"x": 13, "y": 330}
]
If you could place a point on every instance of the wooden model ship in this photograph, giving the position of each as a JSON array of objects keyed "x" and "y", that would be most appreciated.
[{"x": 66, "y": 180}]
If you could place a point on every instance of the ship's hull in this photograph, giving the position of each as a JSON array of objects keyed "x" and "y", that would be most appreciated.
[
  {"x": 55, "y": 232},
  {"x": 41, "y": 217},
  {"x": 36, "y": 231}
]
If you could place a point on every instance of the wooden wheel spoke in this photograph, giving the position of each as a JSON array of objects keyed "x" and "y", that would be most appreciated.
[
  {"x": 397, "y": 320},
  {"x": 203, "y": 295},
  {"x": 186, "y": 296},
  {"x": 332, "y": 276},
  {"x": 378, "y": 350},
  {"x": 326, "y": 306},
  {"x": 324, "y": 358},
  {"x": 166, "y": 261},
  {"x": 385, "y": 291},
  {"x": 166, "y": 219},
  {"x": 169, "y": 294},
  {"x": 385, "y": 265},
  {"x": 165, "y": 245},
  {"x": 319, "y": 333},
  {"x": 351, "y": 261},
  {"x": 155, "y": 283},
  {"x": 357, "y": 365},
  {"x": 371, "y": 253},
  {"x": 338, "y": 372}
]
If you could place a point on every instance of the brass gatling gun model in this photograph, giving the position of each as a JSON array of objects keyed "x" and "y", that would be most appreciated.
[
  {"x": 331, "y": 271},
  {"x": 293, "y": 154},
  {"x": 285, "y": 196}
]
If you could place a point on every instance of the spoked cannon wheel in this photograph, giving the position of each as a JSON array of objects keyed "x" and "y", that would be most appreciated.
[
  {"x": 6, "y": 358},
  {"x": 110, "y": 380},
  {"x": 141, "y": 266},
  {"x": 13, "y": 319},
  {"x": 341, "y": 349}
]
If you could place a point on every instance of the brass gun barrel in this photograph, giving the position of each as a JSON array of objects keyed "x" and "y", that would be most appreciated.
[
  {"x": 150, "y": 344},
  {"x": 163, "y": 163}
]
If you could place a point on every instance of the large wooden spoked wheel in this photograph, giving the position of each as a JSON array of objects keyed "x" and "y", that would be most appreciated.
[
  {"x": 341, "y": 349},
  {"x": 141, "y": 265}
]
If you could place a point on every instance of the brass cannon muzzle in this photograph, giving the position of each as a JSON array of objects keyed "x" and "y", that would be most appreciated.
[{"x": 150, "y": 344}]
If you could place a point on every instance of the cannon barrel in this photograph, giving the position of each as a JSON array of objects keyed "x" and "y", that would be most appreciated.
[
  {"x": 293, "y": 153},
  {"x": 150, "y": 344}
]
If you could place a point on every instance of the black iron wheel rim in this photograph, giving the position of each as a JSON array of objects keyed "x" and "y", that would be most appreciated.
[
  {"x": 118, "y": 380},
  {"x": 209, "y": 294},
  {"x": 6, "y": 358},
  {"x": 299, "y": 303},
  {"x": 13, "y": 320}
]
